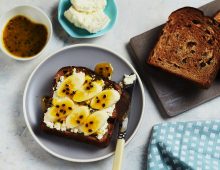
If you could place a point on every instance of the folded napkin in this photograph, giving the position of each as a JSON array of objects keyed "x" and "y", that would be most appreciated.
[{"x": 185, "y": 146}]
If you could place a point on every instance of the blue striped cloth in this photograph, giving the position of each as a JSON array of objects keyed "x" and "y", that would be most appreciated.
[{"x": 185, "y": 146}]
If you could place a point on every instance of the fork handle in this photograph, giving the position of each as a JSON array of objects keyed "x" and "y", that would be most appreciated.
[{"x": 118, "y": 154}]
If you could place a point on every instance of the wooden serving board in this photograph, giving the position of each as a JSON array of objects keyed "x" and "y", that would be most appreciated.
[{"x": 172, "y": 95}]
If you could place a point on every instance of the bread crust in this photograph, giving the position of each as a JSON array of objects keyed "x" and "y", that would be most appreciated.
[
  {"x": 188, "y": 47},
  {"x": 92, "y": 139}
]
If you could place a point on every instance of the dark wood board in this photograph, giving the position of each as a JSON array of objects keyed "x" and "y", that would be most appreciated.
[{"x": 172, "y": 95}]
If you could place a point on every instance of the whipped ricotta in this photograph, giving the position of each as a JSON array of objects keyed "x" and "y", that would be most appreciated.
[
  {"x": 49, "y": 124},
  {"x": 92, "y": 22},
  {"x": 102, "y": 131},
  {"x": 57, "y": 126},
  {"x": 129, "y": 79},
  {"x": 109, "y": 110},
  {"x": 89, "y": 5},
  {"x": 60, "y": 126},
  {"x": 60, "y": 81},
  {"x": 63, "y": 126}
]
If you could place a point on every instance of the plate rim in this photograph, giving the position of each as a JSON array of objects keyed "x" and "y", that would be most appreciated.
[{"x": 65, "y": 157}]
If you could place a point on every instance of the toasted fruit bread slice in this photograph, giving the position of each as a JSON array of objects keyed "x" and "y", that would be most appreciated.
[
  {"x": 61, "y": 110},
  {"x": 189, "y": 47}
]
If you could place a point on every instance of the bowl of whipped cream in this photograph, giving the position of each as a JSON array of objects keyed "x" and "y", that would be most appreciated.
[{"x": 87, "y": 18}]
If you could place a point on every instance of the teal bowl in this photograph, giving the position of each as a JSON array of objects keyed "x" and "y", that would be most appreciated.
[{"x": 110, "y": 10}]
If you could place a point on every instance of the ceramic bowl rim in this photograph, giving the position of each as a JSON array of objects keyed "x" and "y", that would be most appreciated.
[{"x": 50, "y": 28}]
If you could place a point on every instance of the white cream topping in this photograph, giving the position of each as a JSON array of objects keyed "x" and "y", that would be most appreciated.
[
  {"x": 129, "y": 79},
  {"x": 75, "y": 130},
  {"x": 63, "y": 126},
  {"x": 92, "y": 22},
  {"x": 102, "y": 131},
  {"x": 89, "y": 5},
  {"x": 109, "y": 110},
  {"x": 60, "y": 81},
  {"x": 49, "y": 124},
  {"x": 57, "y": 126}
]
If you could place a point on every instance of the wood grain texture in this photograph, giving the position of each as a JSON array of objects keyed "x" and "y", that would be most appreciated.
[{"x": 172, "y": 95}]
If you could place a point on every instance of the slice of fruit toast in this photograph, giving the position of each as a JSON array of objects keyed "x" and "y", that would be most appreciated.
[
  {"x": 83, "y": 106},
  {"x": 189, "y": 47}
]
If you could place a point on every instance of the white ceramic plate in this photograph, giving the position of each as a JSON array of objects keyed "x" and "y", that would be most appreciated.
[{"x": 40, "y": 83}]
